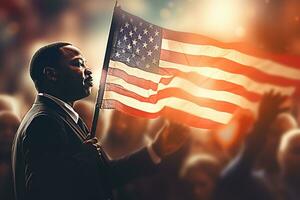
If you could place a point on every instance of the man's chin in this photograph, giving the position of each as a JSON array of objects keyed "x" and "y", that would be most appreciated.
[{"x": 87, "y": 92}]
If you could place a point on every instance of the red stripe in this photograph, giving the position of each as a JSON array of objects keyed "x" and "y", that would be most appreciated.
[
  {"x": 175, "y": 92},
  {"x": 170, "y": 113},
  {"x": 290, "y": 60},
  {"x": 208, "y": 83},
  {"x": 195, "y": 78},
  {"x": 226, "y": 65},
  {"x": 142, "y": 83}
]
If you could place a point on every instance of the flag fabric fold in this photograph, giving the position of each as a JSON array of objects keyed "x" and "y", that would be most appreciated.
[{"x": 187, "y": 77}]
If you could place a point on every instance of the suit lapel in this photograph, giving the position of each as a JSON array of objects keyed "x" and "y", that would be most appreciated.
[{"x": 75, "y": 127}]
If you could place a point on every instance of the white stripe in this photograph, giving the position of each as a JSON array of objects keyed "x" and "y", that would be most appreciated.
[
  {"x": 172, "y": 102},
  {"x": 264, "y": 65},
  {"x": 136, "y": 71},
  {"x": 188, "y": 87},
  {"x": 238, "y": 79}
]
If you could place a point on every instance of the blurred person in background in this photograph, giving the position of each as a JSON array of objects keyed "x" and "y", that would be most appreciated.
[
  {"x": 267, "y": 164},
  {"x": 230, "y": 137},
  {"x": 240, "y": 179},
  {"x": 125, "y": 134},
  {"x": 289, "y": 164},
  {"x": 9, "y": 123},
  {"x": 206, "y": 142},
  {"x": 165, "y": 181},
  {"x": 198, "y": 177},
  {"x": 9, "y": 103},
  {"x": 53, "y": 156},
  {"x": 6, "y": 103}
]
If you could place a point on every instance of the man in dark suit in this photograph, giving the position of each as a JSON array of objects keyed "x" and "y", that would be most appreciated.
[{"x": 53, "y": 157}]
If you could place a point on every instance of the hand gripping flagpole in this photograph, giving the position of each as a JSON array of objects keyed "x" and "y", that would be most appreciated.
[{"x": 104, "y": 73}]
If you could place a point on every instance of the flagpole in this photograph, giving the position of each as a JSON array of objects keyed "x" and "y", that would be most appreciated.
[{"x": 104, "y": 74}]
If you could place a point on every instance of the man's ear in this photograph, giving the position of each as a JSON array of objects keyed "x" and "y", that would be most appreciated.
[{"x": 50, "y": 73}]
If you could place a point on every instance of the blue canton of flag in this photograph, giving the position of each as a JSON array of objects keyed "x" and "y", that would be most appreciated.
[{"x": 137, "y": 43}]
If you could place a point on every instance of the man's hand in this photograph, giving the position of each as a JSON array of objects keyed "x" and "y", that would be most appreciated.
[
  {"x": 93, "y": 142},
  {"x": 270, "y": 107},
  {"x": 170, "y": 139}
]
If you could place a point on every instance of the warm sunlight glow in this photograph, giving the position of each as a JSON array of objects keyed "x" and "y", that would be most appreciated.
[{"x": 223, "y": 17}]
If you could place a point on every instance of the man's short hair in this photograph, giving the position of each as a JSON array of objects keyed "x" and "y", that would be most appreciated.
[{"x": 46, "y": 56}]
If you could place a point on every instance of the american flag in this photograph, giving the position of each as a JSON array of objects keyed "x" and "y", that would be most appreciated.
[{"x": 187, "y": 77}]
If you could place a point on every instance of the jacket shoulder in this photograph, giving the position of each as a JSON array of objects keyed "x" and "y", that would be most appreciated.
[{"x": 41, "y": 123}]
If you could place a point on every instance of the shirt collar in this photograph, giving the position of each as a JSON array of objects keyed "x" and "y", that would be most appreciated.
[{"x": 71, "y": 112}]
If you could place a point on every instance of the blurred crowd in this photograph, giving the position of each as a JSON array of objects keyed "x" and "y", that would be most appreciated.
[
  {"x": 264, "y": 164},
  {"x": 241, "y": 161}
]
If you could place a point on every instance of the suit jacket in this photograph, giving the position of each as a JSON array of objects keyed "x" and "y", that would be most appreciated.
[{"x": 50, "y": 161}]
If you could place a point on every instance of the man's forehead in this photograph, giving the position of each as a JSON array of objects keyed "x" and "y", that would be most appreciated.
[{"x": 71, "y": 51}]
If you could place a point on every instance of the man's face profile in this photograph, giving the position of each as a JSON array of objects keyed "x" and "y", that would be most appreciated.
[{"x": 73, "y": 76}]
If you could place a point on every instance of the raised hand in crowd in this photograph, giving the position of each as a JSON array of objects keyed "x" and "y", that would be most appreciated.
[
  {"x": 171, "y": 137},
  {"x": 270, "y": 106}
]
